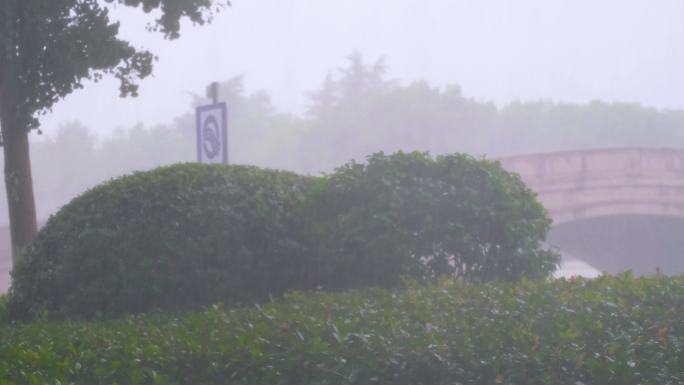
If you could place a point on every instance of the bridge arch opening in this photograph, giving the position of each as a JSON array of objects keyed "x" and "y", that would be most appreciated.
[
  {"x": 615, "y": 208},
  {"x": 644, "y": 244}
]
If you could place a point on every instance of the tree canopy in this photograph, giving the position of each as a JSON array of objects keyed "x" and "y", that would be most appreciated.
[
  {"x": 51, "y": 47},
  {"x": 47, "y": 50}
]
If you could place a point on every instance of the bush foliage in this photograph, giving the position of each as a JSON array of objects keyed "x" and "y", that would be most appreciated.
[
  {"x": 410, "y": 214},
  {"x": 190, "y": 235},
  {"x": 607, "y": 331},
  {"x": 173, "y": 239}
]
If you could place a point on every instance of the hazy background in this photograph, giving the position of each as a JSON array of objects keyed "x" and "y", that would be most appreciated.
[
  {"x": 498, "y": 50},
  {"x": 313, "y": 83}
]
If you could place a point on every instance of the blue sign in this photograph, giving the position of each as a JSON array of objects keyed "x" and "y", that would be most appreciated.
[{"x": 212, "y": 133}]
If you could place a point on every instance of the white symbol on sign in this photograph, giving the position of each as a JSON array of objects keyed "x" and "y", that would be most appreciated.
[{"x": 211, "y": 137}]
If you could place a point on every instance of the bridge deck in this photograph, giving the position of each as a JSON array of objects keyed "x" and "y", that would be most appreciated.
[{"x": 576, "y": 185}]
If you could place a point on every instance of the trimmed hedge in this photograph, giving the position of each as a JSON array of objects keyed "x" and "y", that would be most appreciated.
[
  {"x": 185, "y": 236},
  {"x": 176, "y": 238},
  {"x": 607, "y": 331}
]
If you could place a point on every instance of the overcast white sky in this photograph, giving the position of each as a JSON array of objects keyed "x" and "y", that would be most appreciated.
[{"x": 501, "y": 50}]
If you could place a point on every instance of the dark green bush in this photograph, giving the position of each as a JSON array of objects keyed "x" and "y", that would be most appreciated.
[
  {"x": 185, "y": 236},
  {"x": 410, "y": 214},
  {"x": 172, "y": 239},
  {"x": 607, "y": 331}
]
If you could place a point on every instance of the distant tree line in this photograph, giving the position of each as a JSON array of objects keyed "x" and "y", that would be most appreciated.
[{"x": 356, "y": 111}]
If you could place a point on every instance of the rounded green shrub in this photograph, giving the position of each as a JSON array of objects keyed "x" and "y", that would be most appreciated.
[
  {"x": 186, "y": 236},
  {"x": 176, "y": 238},
  {"x": 410, "y": 214}
]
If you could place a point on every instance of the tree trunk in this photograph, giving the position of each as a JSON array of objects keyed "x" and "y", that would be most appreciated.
[{"x": 18, "y": 181}]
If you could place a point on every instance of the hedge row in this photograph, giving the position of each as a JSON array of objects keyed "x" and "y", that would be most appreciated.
[
  {"x": 607, "y": 331},
  {"x": 186, "y": 236}
]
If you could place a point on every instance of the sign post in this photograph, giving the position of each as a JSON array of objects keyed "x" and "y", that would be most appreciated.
[{"x": 212, "y": 130}]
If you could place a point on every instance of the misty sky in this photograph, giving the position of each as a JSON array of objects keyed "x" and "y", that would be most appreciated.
[{"x": 500, "y": 50}]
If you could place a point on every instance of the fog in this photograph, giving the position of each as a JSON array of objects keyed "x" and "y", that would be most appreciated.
[
  {"x": 490, "y": 78},
  {"x": 572, "y": 51}
]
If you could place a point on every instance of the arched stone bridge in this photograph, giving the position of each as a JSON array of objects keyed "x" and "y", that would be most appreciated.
[
  {"x": 606, "y": 187},
  {"x": 575, "y": 185}
]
